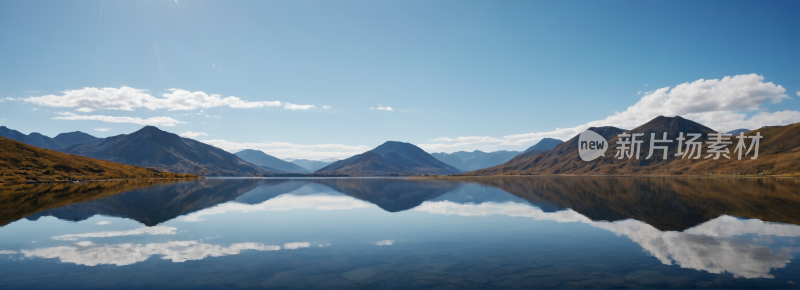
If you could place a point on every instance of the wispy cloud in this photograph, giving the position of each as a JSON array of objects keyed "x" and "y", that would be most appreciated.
[
  {"x": 382, "y": 108},
  {"x": 328, "y": 107},
  {"x": 102, "y": 129},
  {"x": 127, "y": 99},
  {"x": 190, "y": 134},
  {"x": 718, "y": 103},
  {"x": 293, "y": 107},
  {"x": 154, "y": 121}
]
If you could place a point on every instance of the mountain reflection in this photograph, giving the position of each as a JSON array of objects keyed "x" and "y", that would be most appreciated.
[{"x": 718, "y": 225}]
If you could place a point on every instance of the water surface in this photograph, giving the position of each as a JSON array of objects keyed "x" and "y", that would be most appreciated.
[{"x": 347, "y": 233}]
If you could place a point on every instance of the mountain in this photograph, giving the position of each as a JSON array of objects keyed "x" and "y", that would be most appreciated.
[
  {"x": 269, "y": 162},
  {"x": 778, "y": 154},
  {"x": 68, "y": 139},
  {"x": 467, "y": 161},
  {"x": 20, "y": 162},
  {"x": 545, "y": 144},
  {"x": 391, "y": 158},
  {"x": 311, "y": 165},
  {"x": 63, "y": 140},
  {"x": 34, "y": 139},
  {"x": 737, "y": 131},
  {"x": 451, "y": 159},
  {"x": 152, "y": 147},
  {"x": 667, "y": 203}
]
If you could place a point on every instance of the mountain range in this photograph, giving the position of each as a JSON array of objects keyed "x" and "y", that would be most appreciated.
[
  {"x": 269, "y": 162},
  {"x": 390, "y": 158},
  {"x": 61, "y": 141},
  {"x": 779, "y": 151},
  {"x": 152, "y": 147},
  {"x": 311, "y": 165},
  {"x": 469, "y": 161}
]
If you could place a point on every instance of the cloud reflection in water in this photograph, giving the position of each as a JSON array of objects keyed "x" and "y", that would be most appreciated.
[{"x": 710, "y": 246}]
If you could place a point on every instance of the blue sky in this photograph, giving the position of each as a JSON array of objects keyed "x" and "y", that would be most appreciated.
[{"x": 458, "y": 75}]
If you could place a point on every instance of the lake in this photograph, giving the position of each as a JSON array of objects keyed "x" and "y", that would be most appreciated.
[{"x": 394, "y": 233}]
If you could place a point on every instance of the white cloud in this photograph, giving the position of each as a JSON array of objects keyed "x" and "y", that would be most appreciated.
[
  {"x": 296, "y": 245},
  {"x": 384, "y": 243},
  {"x": 157, "y": 230},
  {"x": 797, "y": 93},
  {"x": 178, "y": 99},
  {"x": 84, "y": 243},
  {"x": 382, "y": 108},
  {"x": 129, "y": 253},
  {"x": 294, "y": 107},
  {"x": 287, "y": 150},
  {"x": 190, "y": 134},
  {"x": 154, "y": 121},
  {"x": 102, "y": 223},
  {"x": 127, "y": 99},
  {"x": 283, "y": 203},
  {"x": 102, "y": 129},
  {"x": 721, "y": 104},
  {"x": 645, "y": 85},
  {"x": 90, "y": 99},
  {"x": 639, "y": 93},
  {"x": 7, "y": 252},
  {"x": 326, "y": 107}
]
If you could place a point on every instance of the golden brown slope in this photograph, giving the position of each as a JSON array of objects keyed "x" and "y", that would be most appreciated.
[
  {"x": 20, "y": 162},
  {"x": 779, "y": 153}
]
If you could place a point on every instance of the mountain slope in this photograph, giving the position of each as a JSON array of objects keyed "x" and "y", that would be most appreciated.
[
  {"x": 68, "y": 139},
  {"x": 269, "y": 162},
  {"x": 779, "y": 153},
  {"x": 34, "y": 139},
  {"x": 311, "y": 165},
  {"x": 152, "y": 147},
  {"x": 20, "y": 162},
  {"x": 467, "y": 161},
  {"x": 388, "y": 159},
  {"x": 545, "y": 144}
]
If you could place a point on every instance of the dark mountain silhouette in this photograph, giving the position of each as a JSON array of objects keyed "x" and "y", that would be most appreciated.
[
  {"x": 158, "y": 203},
  {"x": 311, "y": 165},
  {"x": 269, "y": 162},
  {"x": 152, "y": 147},
  {"x": 778, "y": 153},
  {"x": 34, "y": 139},
  {"x": 545, "y": 144},
  {"x": 69, "y": 139},
  {"x": 20, "y": 162},
  {"x": 391, "y": 158},
  {"x": 61, "y": 141},
  {"x": 467, "y": 161},
  {"x": 667, "y": 203}
]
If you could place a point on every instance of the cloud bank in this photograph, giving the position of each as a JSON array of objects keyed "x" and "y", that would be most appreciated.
[
  {"x": 722, "y": 104},
  {"x": 154, "y": 121},
  {"x": 128, "y": 99}
]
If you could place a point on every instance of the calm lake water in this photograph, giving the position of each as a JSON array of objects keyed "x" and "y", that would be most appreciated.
[{"x": 487, "y": 233}]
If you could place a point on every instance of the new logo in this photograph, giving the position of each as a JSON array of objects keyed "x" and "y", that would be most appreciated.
[{"x": 591, "y": 145}]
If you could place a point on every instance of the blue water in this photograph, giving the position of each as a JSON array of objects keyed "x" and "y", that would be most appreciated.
[{"x": 401, "y": 234}]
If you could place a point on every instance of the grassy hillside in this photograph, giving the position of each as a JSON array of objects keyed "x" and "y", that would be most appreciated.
[{"x": 20, "y": 162}]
